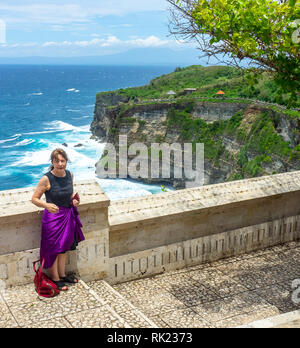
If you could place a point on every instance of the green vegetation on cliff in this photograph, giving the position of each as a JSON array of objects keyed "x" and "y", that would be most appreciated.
[
  {"x": 260, "y": 141},
  {"x": 208, "y": 81}
]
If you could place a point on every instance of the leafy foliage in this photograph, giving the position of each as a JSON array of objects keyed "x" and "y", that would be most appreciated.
[{"x": 262, "y": 32}]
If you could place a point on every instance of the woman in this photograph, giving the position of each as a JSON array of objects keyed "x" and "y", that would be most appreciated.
[{"x": 61, "y": 226}]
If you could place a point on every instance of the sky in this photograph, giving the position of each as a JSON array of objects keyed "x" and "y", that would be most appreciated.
[{"x": 70, "y": 28}]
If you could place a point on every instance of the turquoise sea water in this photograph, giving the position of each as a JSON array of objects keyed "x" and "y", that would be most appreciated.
[{"x": 43, "y": 107}]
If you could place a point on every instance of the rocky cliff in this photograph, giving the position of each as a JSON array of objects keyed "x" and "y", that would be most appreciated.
[{"x": 241, "y": 139}]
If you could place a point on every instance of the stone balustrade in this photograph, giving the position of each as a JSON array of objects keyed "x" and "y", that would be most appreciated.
[{"x": 132, "y": 238}]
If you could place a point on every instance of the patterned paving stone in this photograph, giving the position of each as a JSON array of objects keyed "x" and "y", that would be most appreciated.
[
  {"x": 58, "y": 323},
  {"x": 184, "y": 318},
  {"x": 232, "y": 269},
  {"x": 205, "y": 273},
  {"x": 265, "y": 271},
  {"x": 280, "y": 296},
  {"x": 99, "y": 317},
  {"x": 254, "y": 280},
  {"x": 6, "y": 318},
  {"x": 74, "y": 300},
  {"x": 243, "y": 319},
  {"x": 158, "y": 321},
  {"x": 20, "y": 295},
  {"x": 221, "y": 285},
  {"x": 162, "y": 302},
  {"x": 187, "y": 290},
  {"x": 231, "y": 306},
  {"x": 138, "y": 288},
  {"x": 148, "y": 296}
]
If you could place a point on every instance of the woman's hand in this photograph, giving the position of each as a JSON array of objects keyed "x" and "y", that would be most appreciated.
[
  {"x": 52, "y": 208},
  {"x": 75, "y": 203}
]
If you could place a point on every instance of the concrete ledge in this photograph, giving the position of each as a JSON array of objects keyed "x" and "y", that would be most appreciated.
[
  {"x": 18, "y": 201},
  {"x": 126, "y": 211},
  {"x": 148, "y": 222},
  {"x": 201, "y": 250},
  {"x": 286, "y": 320}
]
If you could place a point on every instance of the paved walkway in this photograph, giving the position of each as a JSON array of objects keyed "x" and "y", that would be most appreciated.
[{"x": 238, "y": 291}]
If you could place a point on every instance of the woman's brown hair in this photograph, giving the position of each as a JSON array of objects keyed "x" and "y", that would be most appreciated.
[{"x": 54, "y": 156}]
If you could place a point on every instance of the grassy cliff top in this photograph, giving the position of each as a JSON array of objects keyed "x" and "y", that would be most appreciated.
[{"x": 208, "y": 81}]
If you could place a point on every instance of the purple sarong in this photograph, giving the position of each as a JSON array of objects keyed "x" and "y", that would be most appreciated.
[{"x": 59, "y": 232}]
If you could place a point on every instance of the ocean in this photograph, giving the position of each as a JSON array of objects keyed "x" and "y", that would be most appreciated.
[{"x": 45, "y": 107}]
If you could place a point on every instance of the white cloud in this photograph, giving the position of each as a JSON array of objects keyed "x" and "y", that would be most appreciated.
[
  {"x": 151, "y": 41},
  {"x": 70, "y": 11},
  {"x": 44, "y": 13},
  {"x": 120, "y": 26},
  {"x": 24, "y": 45},
  {"x": 95, "y": 46},
  {"x": 113, "y": 41}
]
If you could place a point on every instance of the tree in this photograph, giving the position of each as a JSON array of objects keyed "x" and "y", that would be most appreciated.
[{"x": 261, "y": 32}]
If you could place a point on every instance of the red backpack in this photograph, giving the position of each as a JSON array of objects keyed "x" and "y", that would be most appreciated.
[{"x": 44, "y": 286}]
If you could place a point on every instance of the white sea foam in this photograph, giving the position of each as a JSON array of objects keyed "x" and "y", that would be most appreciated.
[
  {"x": 25, "y": 142},
  {"x": 8, "y": 140},
  {"x": 82, "y": 159},
  {"x": 119, "y": 188},
  {"x": 85, "y": 128},
  {"x": 63, "y": 126},
  {"x": 42, "y": 132},
  {"x": 73, "y": 90},
  {"x": 60, "y": 126},
  {"x": 33, "y": 158},
  {"x": 38, "y": 93},
  {"x": 79, "y": 160}
]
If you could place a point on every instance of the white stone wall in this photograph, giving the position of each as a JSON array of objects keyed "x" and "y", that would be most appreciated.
[
  {"x": 201, "y": 250},
  {"x": 139, "y": 237}
]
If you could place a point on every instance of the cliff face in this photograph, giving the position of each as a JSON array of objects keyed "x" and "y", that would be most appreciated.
[
  {"x": 103, "y": 118},
  {"x": 108, "y": 107},
  {"x": 228, "y": 131}
]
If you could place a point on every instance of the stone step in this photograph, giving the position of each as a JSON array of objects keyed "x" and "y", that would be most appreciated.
[
  {"x": 286, "y": 320},
  {"x": 119, "y": 305}
]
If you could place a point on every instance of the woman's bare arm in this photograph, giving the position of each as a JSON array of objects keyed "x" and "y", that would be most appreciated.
[{"x": 41, "y": 188}]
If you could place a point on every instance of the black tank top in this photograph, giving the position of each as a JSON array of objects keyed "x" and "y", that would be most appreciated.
[{"x": 61, "y": 190}]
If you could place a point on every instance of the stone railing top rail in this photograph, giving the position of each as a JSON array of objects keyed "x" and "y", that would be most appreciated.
[
  {"x": 18, "y": 201},
  {"x": 169, "y": 203}
]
